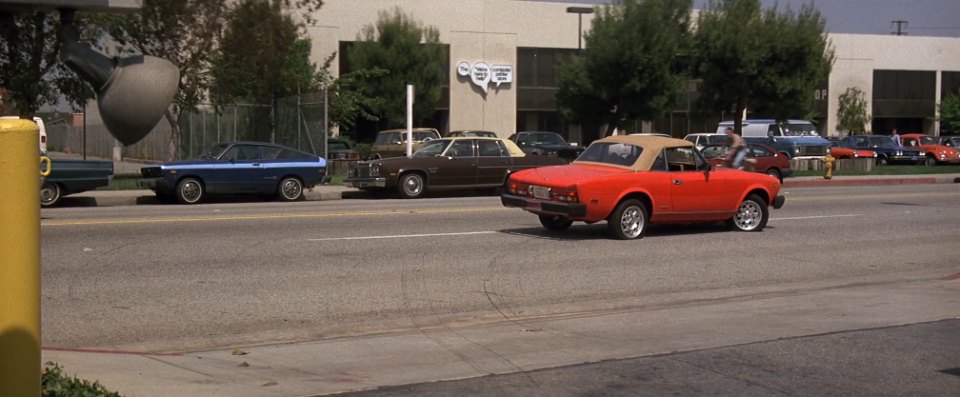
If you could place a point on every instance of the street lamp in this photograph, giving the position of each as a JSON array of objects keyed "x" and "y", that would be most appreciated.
[{"x": 580, "y": 11}]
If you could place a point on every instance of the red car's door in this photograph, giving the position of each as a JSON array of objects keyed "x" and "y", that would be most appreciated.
[{"x": 697, "y": 193}]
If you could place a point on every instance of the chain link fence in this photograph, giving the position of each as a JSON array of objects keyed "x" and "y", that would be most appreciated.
[{"x": 295, "y": 121}]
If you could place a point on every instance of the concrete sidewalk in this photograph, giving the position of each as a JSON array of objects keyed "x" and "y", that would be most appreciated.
[{"x": 653, "y": 326}]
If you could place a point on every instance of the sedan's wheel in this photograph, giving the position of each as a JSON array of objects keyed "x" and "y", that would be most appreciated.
[
  {"x": 290, "y": 189},
  {"x": 930, "y": 161},
  {"x": 881, "y": 160},
  {"x": 411, "y": 185},
  {"x": 49, "y": 194},
  {"x": 775, "y": 173},
  {"x": 752, "y": 215},
  {"x": 189, "y": 191},
  {"x": 628, "y": 221},
  {"x": 555, "y": 222}
]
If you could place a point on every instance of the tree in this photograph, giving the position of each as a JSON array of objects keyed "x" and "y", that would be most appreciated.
[
  {"x": 30, "y": 67},
  {"x": 949, "y": 110},
  {"x": 852, "y": 114},
  {"x": 184, "y": 32},
  {"x": 634, "y": 65},
  {"x": 395, "y": 52},
  {"x": 768, "y": 60},
  {"x": 262, "y": 57}
]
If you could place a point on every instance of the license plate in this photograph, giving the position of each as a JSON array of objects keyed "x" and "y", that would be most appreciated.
[{"x": 540, "y": 192}]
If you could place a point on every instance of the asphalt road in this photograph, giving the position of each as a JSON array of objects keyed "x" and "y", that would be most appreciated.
[{"x": 187, "y": 278}]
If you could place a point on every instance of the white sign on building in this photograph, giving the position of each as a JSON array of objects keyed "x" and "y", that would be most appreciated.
[{"x": 482, "y": 74}]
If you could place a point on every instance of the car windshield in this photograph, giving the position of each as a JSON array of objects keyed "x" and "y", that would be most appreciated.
[
  {"x": 386, "y": 138},
  {"x": 546, "y": 138},
  {"x": 713, "y": 151},
  {"x": 926, "y": 140},
  {"x": 214, "y": 151},
  {"x": 882, "y": 141},
  {"x": 432, "y": 148},
  {"x": 611, "y": 153},
  {"x": 338, "y": 145},
  {"x": 799, "y": 130},
  {"x": 424, "y": 135}
]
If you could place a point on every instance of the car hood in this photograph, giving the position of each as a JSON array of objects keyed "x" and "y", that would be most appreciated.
[{"x": 565, "y": 175}]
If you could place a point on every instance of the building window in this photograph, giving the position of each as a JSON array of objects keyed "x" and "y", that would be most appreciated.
[{"x": 904, "y": 93}]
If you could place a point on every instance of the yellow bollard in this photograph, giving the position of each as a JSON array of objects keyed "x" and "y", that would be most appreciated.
[
  {"x": 828, "y": 166},
  {"x": 20, "y": 269}
]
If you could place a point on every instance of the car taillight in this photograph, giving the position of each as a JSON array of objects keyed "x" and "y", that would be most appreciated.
[
  {"x": 519, "y": 189},
  {"x": 566, "y": 195}
]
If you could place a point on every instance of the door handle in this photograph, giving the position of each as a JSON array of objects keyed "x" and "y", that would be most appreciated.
[{"x": 677, "y": 182}]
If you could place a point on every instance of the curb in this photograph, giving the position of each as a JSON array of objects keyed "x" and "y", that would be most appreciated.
[
  {"x": 913, "y": 180},
  {"x": 107, "y": 198}
]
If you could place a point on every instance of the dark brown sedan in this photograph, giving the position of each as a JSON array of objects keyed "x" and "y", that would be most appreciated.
[{"x": 448, "y": 163}]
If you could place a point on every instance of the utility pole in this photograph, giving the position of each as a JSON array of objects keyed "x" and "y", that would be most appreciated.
[{"x": 900, "y": 26}]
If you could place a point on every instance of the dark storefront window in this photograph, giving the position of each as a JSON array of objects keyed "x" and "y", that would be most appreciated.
[
  {"x": 903, "y": 99},
  {"x": 949, "y": 83},
  {"x": 537, "y": 89}
]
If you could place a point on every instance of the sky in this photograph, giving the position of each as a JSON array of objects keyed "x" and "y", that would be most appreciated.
[{"x": 924, "y": 17}]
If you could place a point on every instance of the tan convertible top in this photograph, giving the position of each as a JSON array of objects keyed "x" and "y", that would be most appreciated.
[{"x": 652, "y": 146}]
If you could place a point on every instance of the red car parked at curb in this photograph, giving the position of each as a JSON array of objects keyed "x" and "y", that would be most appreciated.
[
  {"x": 934, "y": 152},
  {"x": 633, "y": 181},
  {"x": 760, "y": 158}
]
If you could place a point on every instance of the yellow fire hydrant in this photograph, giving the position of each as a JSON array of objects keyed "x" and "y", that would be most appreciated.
[{"x": 828, "y": 161}]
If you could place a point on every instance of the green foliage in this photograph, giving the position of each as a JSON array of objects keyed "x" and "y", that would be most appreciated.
[
  {"x": 54, "y": 383},
  {"x": 772, "y": 61},
  {"x": 634, "y": 65},
  {"x": 389, "y": 55},
  {"x": 949, "y": 110},
  {"x": 852, "y": 115},
  {"x": 30, "y": 68},
  {"x": 262, "y": 56}
]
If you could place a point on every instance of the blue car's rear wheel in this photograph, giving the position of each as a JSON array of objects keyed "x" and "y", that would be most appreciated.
[
  {"x": 290, "y": 189},
  {"x": 189, "y": 191}
]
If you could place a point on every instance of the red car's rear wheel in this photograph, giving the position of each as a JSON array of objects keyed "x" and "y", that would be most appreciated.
[{"x": 628, "y": 221}]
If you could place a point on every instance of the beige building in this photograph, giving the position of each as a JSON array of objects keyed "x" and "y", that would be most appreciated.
[{"x": 516, "y": 43}]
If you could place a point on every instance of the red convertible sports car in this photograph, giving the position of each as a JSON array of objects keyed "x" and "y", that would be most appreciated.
[{"x": 633, "y": 181}]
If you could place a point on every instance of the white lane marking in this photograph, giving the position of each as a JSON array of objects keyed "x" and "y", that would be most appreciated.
[
  {"x": 815, "y": 217},
  {"x": 400, "y": 236},
  {"x": 522, "y": 234}
]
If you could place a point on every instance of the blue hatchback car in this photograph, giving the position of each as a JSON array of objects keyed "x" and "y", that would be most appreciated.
[{"x": 237, "y": 168}]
